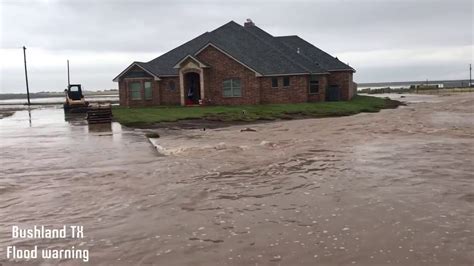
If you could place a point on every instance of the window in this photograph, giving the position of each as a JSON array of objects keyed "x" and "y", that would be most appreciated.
[
  {"x": 286, "y": 81},
  {"x": 275, "y": 82},
  {"x": 232, "y": 88},
  {"x": 135, "y": 88},
  {"x": 148, "y": 90},
  {"x": 313, "y": 85},
  {"x": 171, "y": 85}
]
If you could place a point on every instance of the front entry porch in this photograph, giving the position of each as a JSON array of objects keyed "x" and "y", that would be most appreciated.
[{"x": 191, "y": 77}]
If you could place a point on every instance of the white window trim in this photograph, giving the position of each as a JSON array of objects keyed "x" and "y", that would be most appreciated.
[
  {"x": 232, "y": 88},
  {"x": 130, "y": 90},
  {"x": 144, "y": 91}
]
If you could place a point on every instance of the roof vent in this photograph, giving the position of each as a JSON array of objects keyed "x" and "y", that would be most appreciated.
[
  {"x": 298, "y": 50},
  {"x": 249, "y": 23}
]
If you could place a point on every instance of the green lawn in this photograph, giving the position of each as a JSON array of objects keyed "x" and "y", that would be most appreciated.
[{"x": 142, "y": 116}]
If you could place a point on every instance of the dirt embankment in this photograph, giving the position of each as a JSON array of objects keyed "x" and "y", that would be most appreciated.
[
  {"x": 221, "y": 120},
  {"x": 4, "y": 114}
]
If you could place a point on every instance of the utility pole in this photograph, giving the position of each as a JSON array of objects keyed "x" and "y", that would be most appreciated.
[
  {"x": 68, "y": 79},
  {"x": 470, "y": 75},
  {"x": 26, "y": 76}
]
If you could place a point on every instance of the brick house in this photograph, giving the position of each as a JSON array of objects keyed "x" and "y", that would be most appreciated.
[{"x": 234, "y": 65}]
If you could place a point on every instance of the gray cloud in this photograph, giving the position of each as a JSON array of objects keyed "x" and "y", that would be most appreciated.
[{"x": 153, "y": 27}]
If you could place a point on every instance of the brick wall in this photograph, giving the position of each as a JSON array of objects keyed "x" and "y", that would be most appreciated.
[
  {"x": 297, "y": 92},
  {"x": 343, "y": 79},
  {"x": 169, "y": 96},
  {"x": 123, "y": 97}
]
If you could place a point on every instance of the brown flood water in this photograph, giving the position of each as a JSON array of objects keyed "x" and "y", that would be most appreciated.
[{"x": 388, "y": 188}]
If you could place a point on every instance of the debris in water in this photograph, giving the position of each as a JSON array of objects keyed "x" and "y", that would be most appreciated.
[
  {"x": 152, "y": 135},
  {"x": 247, "y": 129}
]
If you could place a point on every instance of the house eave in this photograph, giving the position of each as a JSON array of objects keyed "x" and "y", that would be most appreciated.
[
  {"x": 296, "y": 74},
  {"x": 169, "y": 76},
  {"x": 344, "y": 69}
]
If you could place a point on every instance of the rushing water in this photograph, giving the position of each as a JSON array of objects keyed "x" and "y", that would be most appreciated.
[{"x": 392, "y": 188}]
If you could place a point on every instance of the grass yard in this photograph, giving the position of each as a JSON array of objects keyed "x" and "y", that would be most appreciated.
[{"x": 143, "y": 116}]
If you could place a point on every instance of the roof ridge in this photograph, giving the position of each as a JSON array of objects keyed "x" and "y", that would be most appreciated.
[
  {"x": 285, "y": 36},
  {"x": 227, "y": 24}
]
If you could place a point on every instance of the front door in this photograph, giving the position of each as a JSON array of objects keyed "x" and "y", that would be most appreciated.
[{"x": 192, "y": 88}]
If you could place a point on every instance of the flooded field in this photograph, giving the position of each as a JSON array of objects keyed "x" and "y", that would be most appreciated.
[
  {"x": 388, "y": 188},
  {"x": 57, "y": 100}
]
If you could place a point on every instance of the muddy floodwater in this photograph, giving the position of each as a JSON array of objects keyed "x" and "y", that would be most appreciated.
[{"x": 388, "y": 188}]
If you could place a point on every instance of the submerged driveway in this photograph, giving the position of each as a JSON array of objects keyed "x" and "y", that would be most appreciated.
[{"x": 388, "y": 188}]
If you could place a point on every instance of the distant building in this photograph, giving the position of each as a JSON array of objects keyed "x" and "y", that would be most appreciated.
[
  {"x": 456, "y": 84},
  {"x": 234, "y": 65}
]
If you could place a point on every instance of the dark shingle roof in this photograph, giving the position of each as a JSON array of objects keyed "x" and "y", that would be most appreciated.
[
  {"x": 252, "y": 51},
  {"x": 312, "y": 52},
  {"x": 289, "y": 52},
  {"x": 255, "y": 48},
  {"x": 163, "y": 65}
]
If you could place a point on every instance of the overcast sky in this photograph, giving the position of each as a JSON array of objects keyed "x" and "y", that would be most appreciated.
[{"x": 384, "y": 40}]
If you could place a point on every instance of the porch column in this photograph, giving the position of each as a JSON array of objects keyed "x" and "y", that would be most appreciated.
[
  {"x": 201, "y": 80},
  {"x": 181, "y": 87}
]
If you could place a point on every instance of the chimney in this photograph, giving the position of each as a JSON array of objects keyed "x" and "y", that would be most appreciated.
[{"x": 249, "y": 23}]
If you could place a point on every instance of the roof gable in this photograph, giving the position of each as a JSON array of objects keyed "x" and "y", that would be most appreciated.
[
  {"x": 190, "y": 58},
  {"x": 139, "y": 65}
]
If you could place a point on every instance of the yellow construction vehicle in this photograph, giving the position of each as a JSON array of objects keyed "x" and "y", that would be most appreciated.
[{"x": 75, "y": 101}]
